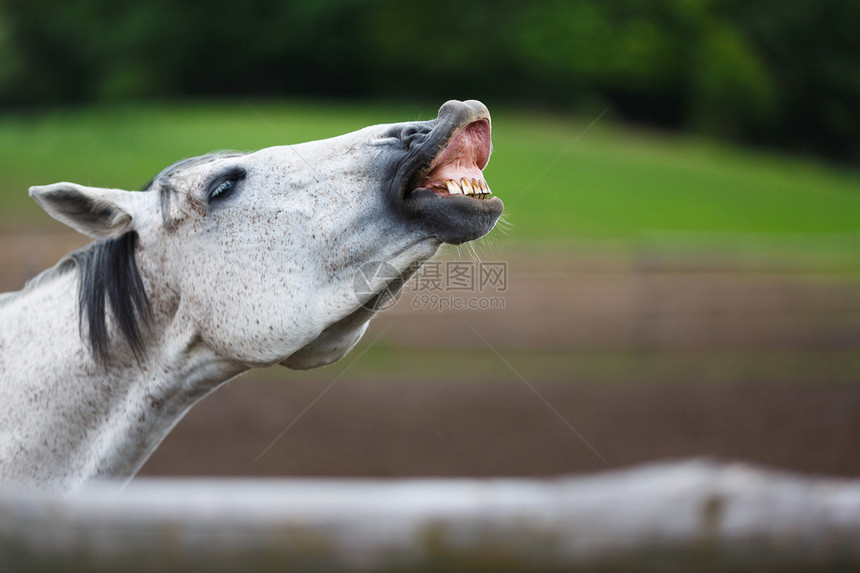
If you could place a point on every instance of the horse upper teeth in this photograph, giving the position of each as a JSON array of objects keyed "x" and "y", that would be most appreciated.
[{"x": 476, "y": 187}]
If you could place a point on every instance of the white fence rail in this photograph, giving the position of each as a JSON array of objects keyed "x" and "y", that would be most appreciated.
[{"x": 689, "y": 516}]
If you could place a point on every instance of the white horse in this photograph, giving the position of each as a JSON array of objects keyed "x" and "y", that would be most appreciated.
[{"x": 223, "y": 263}]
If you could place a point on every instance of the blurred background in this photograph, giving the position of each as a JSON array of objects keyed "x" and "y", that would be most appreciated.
[{"x": 680, "y": 253}]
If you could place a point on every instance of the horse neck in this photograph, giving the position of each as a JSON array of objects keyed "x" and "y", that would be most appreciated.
[{"x": 65, "y": 419}]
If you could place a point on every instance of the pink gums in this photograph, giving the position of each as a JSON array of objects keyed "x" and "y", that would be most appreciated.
[{"x": 465, "y": 156}]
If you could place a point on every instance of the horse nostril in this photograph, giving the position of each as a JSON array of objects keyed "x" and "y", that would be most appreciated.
[{"x": 413, "y": 135}]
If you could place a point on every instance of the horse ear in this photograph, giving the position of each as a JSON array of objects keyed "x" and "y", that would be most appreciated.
[{"x": 98, "y": 213}]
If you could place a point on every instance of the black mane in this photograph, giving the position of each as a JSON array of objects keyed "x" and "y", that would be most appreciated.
[{"x": 108, "y": 276}]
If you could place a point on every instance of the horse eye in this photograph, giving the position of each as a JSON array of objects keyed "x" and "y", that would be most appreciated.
[
  {"x": 223, "y": 189},
  {"x": 226, "y": 184}
]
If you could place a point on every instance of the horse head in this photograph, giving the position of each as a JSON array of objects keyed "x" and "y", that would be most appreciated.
[{"x": 257, "y": 253}]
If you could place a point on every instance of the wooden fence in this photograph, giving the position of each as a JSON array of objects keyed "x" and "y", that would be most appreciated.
[{"x": 695, "y": 515}]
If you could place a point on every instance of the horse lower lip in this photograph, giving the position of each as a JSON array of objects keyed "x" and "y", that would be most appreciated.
[{"x": 444, "y": 197}]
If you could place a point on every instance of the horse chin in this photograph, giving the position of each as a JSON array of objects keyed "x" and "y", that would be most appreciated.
[
  {"x": 339, "y": 338},
  {"x": 332, "y": 344}
]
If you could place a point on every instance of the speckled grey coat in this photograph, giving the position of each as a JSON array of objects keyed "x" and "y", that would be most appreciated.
[{"x": 225, "y": 263}]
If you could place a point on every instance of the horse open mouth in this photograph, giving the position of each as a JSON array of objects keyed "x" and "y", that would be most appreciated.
[
  {"x": 458, "y": 169},
  {"x": 445, "y": 185}
]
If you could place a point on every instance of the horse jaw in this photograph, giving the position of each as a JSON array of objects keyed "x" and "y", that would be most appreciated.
[
  {"x": 340, "y": 337},
  {"x": 333, "y": 344}
]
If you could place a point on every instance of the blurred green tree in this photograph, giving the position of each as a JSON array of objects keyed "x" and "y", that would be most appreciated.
[{"x": 784, "y": 74}]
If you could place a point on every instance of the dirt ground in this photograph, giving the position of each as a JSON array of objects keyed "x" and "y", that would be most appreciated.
[
  {"x": 792, "y": 402},
  {"x": 394, "y": 429}
]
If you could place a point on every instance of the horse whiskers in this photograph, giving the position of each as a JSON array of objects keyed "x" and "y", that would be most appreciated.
[
  {"x": 475, "y": 254},
  {"x": 505, "y": 223}
]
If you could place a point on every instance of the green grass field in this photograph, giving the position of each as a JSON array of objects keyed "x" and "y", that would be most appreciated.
[{"x": 612, "y": 183}]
